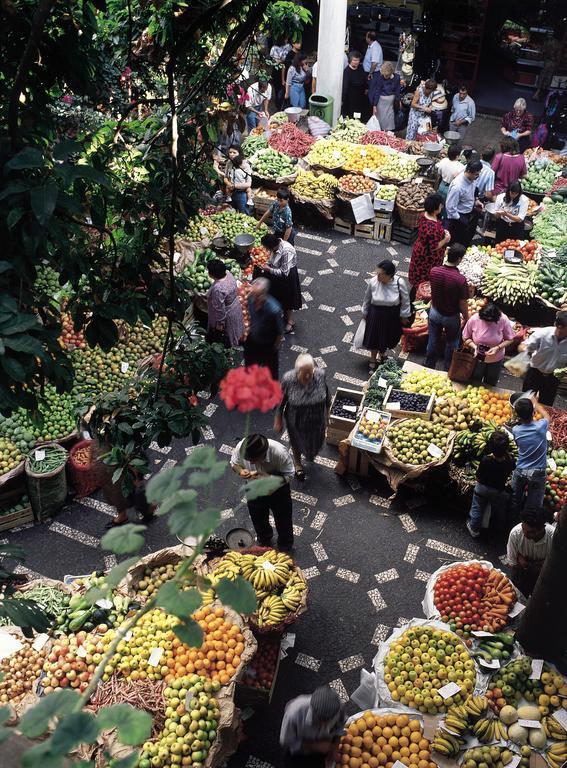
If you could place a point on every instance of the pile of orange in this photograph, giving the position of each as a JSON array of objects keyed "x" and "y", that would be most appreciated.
[
  {"x": 379, "y": 740},
  {"x": 495, "y": 405}
]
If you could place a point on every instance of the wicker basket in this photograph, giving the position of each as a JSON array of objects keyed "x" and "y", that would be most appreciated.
[
  {"x": 84, "y": 479},
  {"x": 409, "y": 216},
  {"x": 48, "y": 490}
]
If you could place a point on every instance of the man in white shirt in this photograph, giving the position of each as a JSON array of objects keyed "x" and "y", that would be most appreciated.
[
  {"x": 529, "y": 543},
  {"x": 256, "y": 457},
  {"x": 461, "y": 205},
  {"x": 547, "y": 348},
  {"x": 373, "y": 58},
  {"x": 463, "y": 112},
  {"x": 258, "y": 98}
]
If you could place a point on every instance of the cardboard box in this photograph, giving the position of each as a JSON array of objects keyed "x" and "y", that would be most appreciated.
[
  {"x": 338, "y": 422},
  {"x": 383, "y": 418},
  {"x": 401, "y": 414},
  {"x": 14, "y": 519}
]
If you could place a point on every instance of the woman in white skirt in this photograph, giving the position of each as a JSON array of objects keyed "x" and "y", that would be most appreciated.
[{"x": 384, "y": 95}]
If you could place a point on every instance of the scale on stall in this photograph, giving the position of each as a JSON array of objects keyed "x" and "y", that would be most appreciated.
[
  {"x": 239, "y": 538},
  {"x": 243, "y": 245},
  {"x": 427, "y": 164}
]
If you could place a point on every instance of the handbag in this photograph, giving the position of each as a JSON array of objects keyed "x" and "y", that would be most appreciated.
[
  {"x": 462, "y": 366},
  {"x": 359, "y": 335}
]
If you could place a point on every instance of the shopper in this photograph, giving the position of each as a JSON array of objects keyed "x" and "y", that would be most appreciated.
[
  {"x": 420, "y": 107},
  {"x": 461, "y": 205},
  {"x": 518, "y": 124},
  {"x": 495, "y": 467},
  {"x": 355, "y": 87},
  {"x": 547, "y": 348},
  {"x": 449, "y": 299},
  {"x": 488, "y": 332},
  {"x": 237, "y": 180},
  {"x": 255, "y": 457},
  {"x": 304, "y": 407},
  {"x": 296, "y": 76},
  {"x": 384, "y": 95},
  {"x": 281, "y": 271},
  {"x": 508, "y": 165},
  {"x": 463, "y": 112},
  {"x": 258, "y": 98},
  {"x": 528, "y": 480},
  {"x": 448, "y": 169},
  {"x": 386, "y": 308},
  {"x": 278, "y": 54},
  {"x": 510, "y": 211},
  {"x": 529, "y": 543},
  {"x": 280, "y": 212},
  {"x": 266, "y": 327},
  {"x": 374, "y": 57},
  {"x": 432, "y": 239},
  {"x": 311, "y": 729},
  {"x": 225, "y": 318},
  {"x": 485, "y": 182}
]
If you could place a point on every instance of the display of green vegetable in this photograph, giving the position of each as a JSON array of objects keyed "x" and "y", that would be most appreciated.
[
  {"x": 541, "y": 175},
  {"x": 197, "y": 274},
  {"x": 19, "y": 506},
  {"x": 513, "y": 283},
  {"x": 54, "y": 457},
  {"x": 551, "y": 281},
  {"x": 388, "y": 372},
  {"x": 55, "y": 419},
  {"x": 230, "y": 224},
  {"x": 252, "y": 144},
  {"x": 51, "y": 600},
  {"x": 349, "y": 129},
  {"x": 10, "y": 455},
  {"x": 271, "y": 164},
  {"x": 550, "y": 226}
]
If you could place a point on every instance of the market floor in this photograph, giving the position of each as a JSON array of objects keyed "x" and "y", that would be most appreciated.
[{"x": 367, "y": 560}]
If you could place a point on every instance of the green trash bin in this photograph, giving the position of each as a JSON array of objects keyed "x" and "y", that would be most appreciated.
[{"x": 321, "y": 106}]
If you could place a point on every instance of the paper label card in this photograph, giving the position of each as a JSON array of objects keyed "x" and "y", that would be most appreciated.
[
  {"x": 86, "y": 435},
  {"x": 362, "y": 208},
  {"x": 188, "y": 699},
  {"x": 516, "y": 610},
  {"x": 430, "y": 725},
  {"x": 128, "y": 635},
  {"x": 124, "y": 366},
  {"x": 363, "y": 153},
  {"x": 537, "y": 669},
  {"x": 514, "y": 761},
  {"x": 382, "y": 383},
  {"x": 9, "y": 644},
  {"x": 561, "y": 717},
  {"x": 481, "y": 633},
  {"x": 449, "y": 690},
  {"x": 356, "y": 116},
  {"x": 350, "y": 408},
  {"x": 434, "y": 451},
  {"x": 418, "y": 180},
  {"x": 551, "y": 463},
  {"x": 40, "y": 641},
  {"x": 39, "y": 454},
  {"x": 492, "y": 664},
  {"x": 393, "y": 406},
  {"x": 155, "y": 657},
  {"x": 530, "y": 723},
  {"x": 398, "y": 764},
  {"x": 81, "y": 651},
  {"x": 104, "y": 604},
  {"x": 509, "y": 253}
]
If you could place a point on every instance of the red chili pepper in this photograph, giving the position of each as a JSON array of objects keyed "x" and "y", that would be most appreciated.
[{"x": 291, "y": 141}]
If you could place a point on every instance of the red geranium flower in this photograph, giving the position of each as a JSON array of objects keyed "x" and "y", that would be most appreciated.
[{"x": 249, "y": 388}]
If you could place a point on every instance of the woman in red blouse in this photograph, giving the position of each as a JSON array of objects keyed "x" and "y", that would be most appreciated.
[
  {"x": 429, "y": 248},
  {"x": 518, "y": 124}
]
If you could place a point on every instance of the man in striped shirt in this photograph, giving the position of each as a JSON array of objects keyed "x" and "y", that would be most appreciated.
[{"x": 529, "y": 543}]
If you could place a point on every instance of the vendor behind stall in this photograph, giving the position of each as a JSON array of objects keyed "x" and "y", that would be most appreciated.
[
  {"x": 282, "y": 221},
  {"x": 529, "y": 544},
  {"x": 258, "y": 98},
  {"x": 547, "y": 348},
  {"x": 510, "y": 209},
  {"x": 311, "y": 728}
]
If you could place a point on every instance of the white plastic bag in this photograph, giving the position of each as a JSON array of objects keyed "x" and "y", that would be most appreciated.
[
  {"x": 518, "y": 365},
  {"x": 359, "y": 335},
  {"x": 365, "y": 694},
  {"x": 423, "y": 125},
  {"x": 318, "y": 127},
  {"x": 373, "y": 124}
]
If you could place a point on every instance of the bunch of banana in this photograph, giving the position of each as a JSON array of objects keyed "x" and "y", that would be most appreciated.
[
  {"x": 557, "y": 754},
  {"x": 553, "y": 730},
  {"x": 446, "y": 743},
  {"x": 489, "y": 729},
  {"x": 226, "y": 570},
  {"x": 247, "y": 565},
  {"x": 291, "y": 596},
  {"x": 476, "y": 705},
  {"x": 268, "y": 574},
  {"x": 208, "y": 596},
  {"x": 456, "y": 719},
  {"x": 271, "y": 611}
]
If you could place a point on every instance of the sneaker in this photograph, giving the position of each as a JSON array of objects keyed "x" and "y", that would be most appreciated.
[{"x": 473, "y": 532}]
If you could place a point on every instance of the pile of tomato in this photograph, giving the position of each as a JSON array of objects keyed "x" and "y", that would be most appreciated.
[{"x": 528, "y": 248}]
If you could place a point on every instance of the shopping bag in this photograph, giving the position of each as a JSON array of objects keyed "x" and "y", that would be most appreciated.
[
  {"x": 462, "y": 366},
  {"x": 518, "y": 366},
  {"x": 373, "y": 124},
  {"x": 359, "y": 335}
]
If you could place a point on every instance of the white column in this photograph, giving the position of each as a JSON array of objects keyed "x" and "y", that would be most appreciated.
[{"x": 330, "y": 51}]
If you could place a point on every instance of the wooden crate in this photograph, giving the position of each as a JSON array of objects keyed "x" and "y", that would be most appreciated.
[
  {"x": 15, "y": 519},
  {"x": 249, "y": 696},
  {"x": 401, "y": 414},
  {"x": 358, "y": 463},
  {"x": 365, "y": 230},
  {"x": 338, "y": 422},
  {"x": 344, "y": 226},
  {"x": 263, "y": 198},
  {"x": 334, "y": 435},
  {"x": 382, "y": 230},
  {"x": 403, "y": 234}
]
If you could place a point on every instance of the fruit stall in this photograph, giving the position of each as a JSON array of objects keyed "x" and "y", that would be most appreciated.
[{"x": 192, "y": 693}]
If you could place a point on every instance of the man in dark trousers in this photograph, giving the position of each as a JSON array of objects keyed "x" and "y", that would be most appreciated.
[
  {"x": 256, "y": 457},
  {"x": 461, "y": 206},
  {"x": 266, "y": 327}
]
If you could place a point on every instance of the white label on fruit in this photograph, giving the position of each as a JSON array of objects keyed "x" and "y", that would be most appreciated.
[
  {"x": 176, "y": 257},
  {"x": 481, "y": 633},
  {"x": 561, "y": 717},
  {"x": 155, "y": 656},
  {"x": 350, "y": 408},
  {"x": 336, "y": 154},
  {"x": 188, "y": 700},
  {"x": 449, "y": 690},
  {"x": 398, "y": 764},
  {"x": 81, "y": 651},
  {"x": 434, "y": 451},
  {"x": 516, "y": 610},
  {"x": 39, "y": 454},
  {"x": 548, "y": 436},
  {"x": 393, "y": 406},
  {"x": 382, "y": 383},
  {"x": 514, "y": 761},
  {"x": 204, "y": 231},
  {"x": 128, "y": 635},
  {"x": 356, "y": 116},
  {"x": 8, "y": 645},
  {"x": 86, "y": 435},
  {"x": 418, "y": 180},
  {"x": 40, "y": 641},
  {"x": 551, "y": 464},
  {"x": 537, "y": 669},
  {"x": 530, "y": 723},
  {"x": 104, "y": 604},
  {"x": 363, "y": 153},
  {"x": 492, "y": 664},
  {"x": 124, "y": 366},
  {"x": 509, "y": 253}
]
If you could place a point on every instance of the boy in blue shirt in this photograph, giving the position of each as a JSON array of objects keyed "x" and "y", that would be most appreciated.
[{"x": 528, "y": 479}]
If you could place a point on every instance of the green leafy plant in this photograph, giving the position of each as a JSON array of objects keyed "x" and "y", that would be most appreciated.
[{"x": 287, "y": 19}]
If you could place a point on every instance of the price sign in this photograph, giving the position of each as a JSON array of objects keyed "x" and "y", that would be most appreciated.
[
  {"x": 363, "y": 153},
  {"x": 393, "y": 406},
  {"x": 155, "y": 656},
  {"x": 537, "y": 669},
  {"x": 552, "y": 464},
  {"x": 449, "y": 690},
  {"x": 549, "y": 437},
  {"x": 128, "y": 635},
  {"x": 124, "y": 366},
  {"x": 356, "y": 116},
  {"x": 530, "y": 723},
  {"x": 362, "y": 208},
  {"x": 188, "y": 699},
  {"x": 481, "y": 633},
  {"x": 39, "y": 454},
  {"x": 81, "y": 651},
  {"x": 9, "y": 644},
  {"x": 515, "y": 761},
  {"x": 434, "y": 450},
  {"x": 336, "y": 154},
  {"x": 492, "y": 664},
  {"x": 561, "y": 717},
  {"x": 104, "y": 604},
  {"x": 418, "y": 180},
  {"x": 176, "y": 257},
  {"x": 86, "y": 435},
  {"x": 398, "y": 764},
  {"x": 516, "y": 610},
  {"x": 509, "y": 253},
  {"x": 382, "y": 383},
  {"x": 351, "y": 408},
  {"x": 40, "y": 641}
]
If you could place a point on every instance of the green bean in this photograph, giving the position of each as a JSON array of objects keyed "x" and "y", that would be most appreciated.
[
  {"x": 51, "y": 599},
  {"x": 55, "y": 457}
]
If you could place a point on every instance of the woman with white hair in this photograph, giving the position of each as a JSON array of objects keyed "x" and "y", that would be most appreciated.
[
  {"x": 304, "y": 406},
  {"x": 384, "y": 95},
  {"x": 518, "y": 124}
]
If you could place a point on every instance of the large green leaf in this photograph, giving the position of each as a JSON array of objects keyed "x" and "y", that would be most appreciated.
[
  {"x": 183, "y": 499},
  {"x": 41, "y": 755},
  {"x": 263, "y": 486},
  {"x": 14, "y": 188},
  {"x": 183, "y": 524},
  {"x": 14, "y": 216},
  {"x": 30, "y": 157},
  {"x": 134, "y": 726},
  {"x": 36, "y": 720},
  {"x": 164, "y": 484},
  {"x": 116, "y": 574},
  {"x": 24, "y": 343},
  {"x": 123, "y": 539},
  {"x": 43, "y": 202},
  {"x": 238, "y": 594},
  {"x": 13, "y": 368},
  {"x": 190, "y": 633},
  {"x": 19, "y": 323},
  {"x": 72, "y": 730},
  {"x": 24, "y": 613},
  {"x": 90, "y": 173},
  {"x": 65, "y": 148},
  {"x": 181, "y": 603}
]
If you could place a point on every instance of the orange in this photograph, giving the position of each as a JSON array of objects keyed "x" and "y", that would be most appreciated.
[
  {"x": 414, "y": 725},
  {"x": 355, "y": 762},
  {"x": 424, "y": 744},
  {"x": 402, "y": 720},
  {"x": 382, "y": 758},
  {"x": 355, "y": 751},
  {"x": 388, "y": 732}
]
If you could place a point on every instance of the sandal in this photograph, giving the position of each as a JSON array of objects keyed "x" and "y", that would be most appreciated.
[
  {"x": 300, "y": 473},
  {"x": 112, "y": 524}
]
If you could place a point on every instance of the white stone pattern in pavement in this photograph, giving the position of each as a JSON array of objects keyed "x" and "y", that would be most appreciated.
[
  {"x": 310, "y": 573},
  {"x": 346, "y": 575},
  {"x": 350, "y": 272},
  {"x": 448, "y": 549},
  {"x": 380, "y": 501},
  {"x": 346, "y": 320},
  {"x": 380, "y": 634},
  {"x": 411, "y": 553},
  {"x": 324, "y": 462},
  {"x": 319, "y": 551},
  {"x": 328, "y": 350},
  {"x": 343, "y": 500},
  {"x": 326, "y": 308},
  {"x": 422, "y": 575},
  {"x": 311, "y": 501},
  {"x": 338, "y": 686},
  {"x": 319, "y": 520},
  {"x": 307, "y": 281},
  {"x": 165, "y": 449},
  {"x": 407, "y": 522},
  {"x": 386, "y": 576},
  {"x": 309, "y": 662},
  {"x": 376, "y": 599},
  {"x": 351, "y": 662},
  {"x": 348, "y": 337}
]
